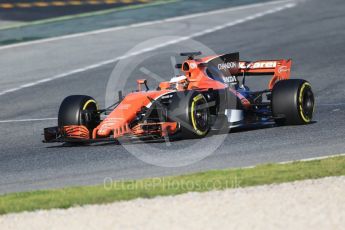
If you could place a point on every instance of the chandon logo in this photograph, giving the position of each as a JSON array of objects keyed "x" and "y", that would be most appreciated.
[{"x": 228, "y": 65}]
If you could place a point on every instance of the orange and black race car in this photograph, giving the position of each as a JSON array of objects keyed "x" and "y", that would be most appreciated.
[{"x": 210, "y": 95}]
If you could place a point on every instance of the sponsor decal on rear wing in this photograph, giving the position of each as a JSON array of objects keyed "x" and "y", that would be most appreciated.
[
  {"x": 258, "y": 65},
  {"x": 280, "y": 69}
]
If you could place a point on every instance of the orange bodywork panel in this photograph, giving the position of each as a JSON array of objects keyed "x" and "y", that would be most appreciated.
[
  {"x": 76, "y": 131},
  {"x": 160, "y": 128},
  {"x": 117, "y": 122}
]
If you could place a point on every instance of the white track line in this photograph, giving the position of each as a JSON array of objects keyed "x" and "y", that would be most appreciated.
[
  {"x": 288, "y": 4},
  {"x": 303, "y": 160},
  {"x": 149, "y": 23},
  {"x": 28, "y": 120}
]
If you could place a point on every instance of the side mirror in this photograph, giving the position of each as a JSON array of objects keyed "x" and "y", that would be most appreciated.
[{"x": 141, "y": 82}]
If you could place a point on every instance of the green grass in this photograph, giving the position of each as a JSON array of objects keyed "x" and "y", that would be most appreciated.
[{"x": 164, "y": 186}]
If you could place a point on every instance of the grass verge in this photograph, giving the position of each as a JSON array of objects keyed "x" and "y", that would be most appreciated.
[{"x": 112, "y": 191}]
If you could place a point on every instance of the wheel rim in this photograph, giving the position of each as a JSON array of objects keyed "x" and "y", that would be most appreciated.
[
  {"x": 307, "y": 103},
  {"x": 200, "y": 116},
  {"x": 90, "y": 105}
]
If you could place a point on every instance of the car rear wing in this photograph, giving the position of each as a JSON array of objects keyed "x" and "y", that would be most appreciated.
[{"x": 280, "y": 69}]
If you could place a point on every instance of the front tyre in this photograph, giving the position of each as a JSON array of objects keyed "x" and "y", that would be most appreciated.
[
  {"x": 292, "y": 102},
  {"x": 73, "y": 112},
  {"x": 191, "y": 110}
]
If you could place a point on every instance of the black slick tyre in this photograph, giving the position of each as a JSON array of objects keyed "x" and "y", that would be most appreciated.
[
  {"x": 190, "y": 109},
  {"x": 292, "y": 102},
  {"x": 72, "y": 109}
]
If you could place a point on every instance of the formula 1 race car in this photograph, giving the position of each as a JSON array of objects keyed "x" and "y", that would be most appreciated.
[{"x": 210, "y": 95}]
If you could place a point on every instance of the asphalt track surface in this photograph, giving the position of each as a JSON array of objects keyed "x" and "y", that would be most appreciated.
[{"x": 311, "y": 33}]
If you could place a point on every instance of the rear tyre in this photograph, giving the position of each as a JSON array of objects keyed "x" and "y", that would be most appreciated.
[
  {"x": 292, "y": 102},
  {"x": 73, "y": 112},
  {"x": 190, "y": 109}
]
